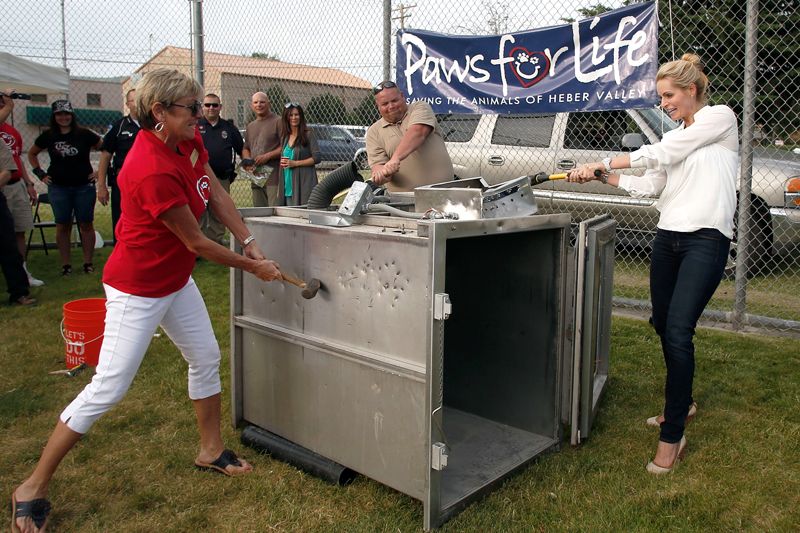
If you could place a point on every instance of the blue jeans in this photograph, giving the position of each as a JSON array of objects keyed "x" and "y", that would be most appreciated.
[
  {"x": 685, "y": 270},
  {"x": 68, "y": 200}
]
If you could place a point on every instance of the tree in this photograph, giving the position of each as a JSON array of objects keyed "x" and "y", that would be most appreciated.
[
  {"x": 264, "y": 55},
  {"x": 496, "y": 20},
  {"x": 326, "y": 109},
  {"x": 715, "y": 30},
  {"x": 589, "y": 12},
  {"x": 365, "y": 113},
  {"x": 277, "y": 98}
]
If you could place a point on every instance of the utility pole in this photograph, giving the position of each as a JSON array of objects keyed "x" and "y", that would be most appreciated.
[
  {"x": 64, "y": 40},
  {"x": 387, "y": 39},
  {"x": 197, "y": 40},
  {"x": 404, "y": 14}
]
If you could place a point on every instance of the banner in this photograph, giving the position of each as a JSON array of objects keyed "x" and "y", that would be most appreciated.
[{"x": 603, "y": 63}]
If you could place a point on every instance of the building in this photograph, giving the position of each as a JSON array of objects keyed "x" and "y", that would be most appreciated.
[
  {"x": 97, "y": 102},
  {"x": 235, "y": 79}
]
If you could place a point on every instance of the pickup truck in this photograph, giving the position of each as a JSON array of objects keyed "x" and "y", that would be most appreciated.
[{"x": 502, "y": 147}]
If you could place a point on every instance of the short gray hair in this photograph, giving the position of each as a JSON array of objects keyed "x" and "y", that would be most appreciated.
[{"x": 162, "y": 85}]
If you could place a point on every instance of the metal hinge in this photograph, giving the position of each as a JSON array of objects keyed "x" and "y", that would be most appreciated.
[
  {"x": 442, "y": 308},
  {"x": 439, "y": 454}
]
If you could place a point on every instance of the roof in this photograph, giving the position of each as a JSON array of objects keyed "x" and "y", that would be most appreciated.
[
  {"x": 259, "y": 67},
  {"x": 40, "y": 116},
  {"x": 116, "y": 80}
]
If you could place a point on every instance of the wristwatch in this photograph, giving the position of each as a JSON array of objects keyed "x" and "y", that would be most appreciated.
[
  {"x": 247, "y": 241},
  {"x": 607, "y": 164},
  {"x": 39, "y": 172}
]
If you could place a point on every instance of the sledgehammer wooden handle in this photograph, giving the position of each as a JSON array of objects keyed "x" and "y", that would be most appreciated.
[{"x": 293, "y": 280}]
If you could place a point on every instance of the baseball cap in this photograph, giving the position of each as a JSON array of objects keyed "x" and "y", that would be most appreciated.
[{"x": 62, "y": 106}]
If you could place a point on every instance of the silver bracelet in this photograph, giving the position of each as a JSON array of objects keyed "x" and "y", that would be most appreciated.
[{"x": 247, "y": 241}]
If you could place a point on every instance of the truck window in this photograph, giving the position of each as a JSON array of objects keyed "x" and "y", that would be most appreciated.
[
  {"x": 338, "y": 134},
  {"x": 523, "y": 130},
  {"x": 598, "y": 130},
  {"x": 321, "y": 132},
  {"x": 458, "y": 128}
]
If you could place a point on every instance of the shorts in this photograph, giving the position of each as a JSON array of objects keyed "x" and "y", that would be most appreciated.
[
  {"x": 78, "y": 200},
  {"x": 19, "y": 203}
]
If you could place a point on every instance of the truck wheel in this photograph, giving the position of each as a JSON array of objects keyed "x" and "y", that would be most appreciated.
[
  {"x": 362, "y": 161},
  {"x": 759, "y": 257}
]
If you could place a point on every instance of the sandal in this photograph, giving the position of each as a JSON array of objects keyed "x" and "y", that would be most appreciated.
[
  {"x": 88, "y": 268},
  {"x": 654, "y": 422},
  {"x": 226, "y": 458},
  {"x": 37, "y": 510},
  {"x": 658, "y": 470},
  {"x": 66, "y": 270}
]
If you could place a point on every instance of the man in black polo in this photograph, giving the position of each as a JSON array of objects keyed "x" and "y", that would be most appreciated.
[
  {"x": 223, "y": 142},
  {"x": 117, "y": 142}
]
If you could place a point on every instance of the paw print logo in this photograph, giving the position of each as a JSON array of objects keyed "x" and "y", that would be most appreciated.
[
  {"x": 529, "y": 67},
  {"x": 526, "y": 66}
]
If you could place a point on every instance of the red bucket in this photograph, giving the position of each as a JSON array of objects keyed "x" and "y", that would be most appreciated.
[{"x": 82, "y": 329}]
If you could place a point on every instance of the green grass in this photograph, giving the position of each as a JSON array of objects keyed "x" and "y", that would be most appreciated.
[
  {"x": 133, "y": 471},
  {"x": 767, "y": 295}
]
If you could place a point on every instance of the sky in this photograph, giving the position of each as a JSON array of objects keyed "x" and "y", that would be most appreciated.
[{"x": 112, "y": 38}]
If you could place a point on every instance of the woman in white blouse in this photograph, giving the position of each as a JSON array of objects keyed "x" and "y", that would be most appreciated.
[{"x": 694, "y": 170}]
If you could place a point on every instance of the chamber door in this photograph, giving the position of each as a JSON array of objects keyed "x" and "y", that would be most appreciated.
[{"x": 592, "y": 333}]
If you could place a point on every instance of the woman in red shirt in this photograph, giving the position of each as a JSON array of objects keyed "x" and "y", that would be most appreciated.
[{"x": 166, "y": 185}]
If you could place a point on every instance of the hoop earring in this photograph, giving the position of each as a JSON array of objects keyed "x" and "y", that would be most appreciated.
[{"x": 159, "y": 127}]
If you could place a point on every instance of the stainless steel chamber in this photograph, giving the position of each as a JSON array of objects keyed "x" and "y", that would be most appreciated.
[{"x": 436, "y": 357}]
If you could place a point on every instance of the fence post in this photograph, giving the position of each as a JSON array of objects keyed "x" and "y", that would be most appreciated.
[
  {"x": 746, "y": 174},
  {"x": 387, "y": 39},
  {"x": 197, "y": 39}
]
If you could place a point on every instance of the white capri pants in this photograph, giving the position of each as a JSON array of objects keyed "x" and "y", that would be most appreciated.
[{"x": 131, "y": 322}]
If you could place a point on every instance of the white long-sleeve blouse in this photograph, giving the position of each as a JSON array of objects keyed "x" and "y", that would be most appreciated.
[{"x": 694, "y": 168}]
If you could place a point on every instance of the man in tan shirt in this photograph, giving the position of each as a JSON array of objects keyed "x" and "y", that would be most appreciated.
[
  {"x": 405, "y": 147},
  {"x": 262, "y": 145}
]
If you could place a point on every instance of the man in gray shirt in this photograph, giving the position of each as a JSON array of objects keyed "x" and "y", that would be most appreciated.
[{"x": 262, "y": 147}]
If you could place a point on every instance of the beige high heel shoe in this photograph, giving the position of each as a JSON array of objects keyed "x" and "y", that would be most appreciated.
[
  {"x": 657, "y": 470},
  {"x": 653, "y": 420}
]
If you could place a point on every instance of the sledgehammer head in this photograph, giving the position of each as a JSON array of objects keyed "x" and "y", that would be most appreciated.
[{"x": 311, "y": 288}]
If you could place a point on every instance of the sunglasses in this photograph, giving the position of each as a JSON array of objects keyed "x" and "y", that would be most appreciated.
[
  {"x": 288, "y": 105},
  {"x": 211, "y": 104},
  {"x": 194, "y": 108},
  {"x": 384, "y": 85}
]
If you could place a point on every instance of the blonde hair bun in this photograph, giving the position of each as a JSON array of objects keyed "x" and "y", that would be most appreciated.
[
  {"x": 694, "y": 59},
  {"x": 685, "y": 72}
]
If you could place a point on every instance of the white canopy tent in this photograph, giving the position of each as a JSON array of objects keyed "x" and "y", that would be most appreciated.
[{"x": 27, "y": 76}]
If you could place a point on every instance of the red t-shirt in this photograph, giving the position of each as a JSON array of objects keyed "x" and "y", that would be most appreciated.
[
  {"x": 148, "y": 259},
  {"x": 13, "y": 140}
]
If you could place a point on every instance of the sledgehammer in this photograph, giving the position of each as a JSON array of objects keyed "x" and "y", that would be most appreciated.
[
  {"x": 310, "y": 289},
  {"x": 542, "y": 177}
]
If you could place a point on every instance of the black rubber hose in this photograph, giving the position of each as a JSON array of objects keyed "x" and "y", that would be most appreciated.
[
  {"x": 296, "y": 455},
  {"x": 340, "y": 179}
]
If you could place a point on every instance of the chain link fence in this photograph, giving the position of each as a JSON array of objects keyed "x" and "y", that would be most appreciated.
[{"x": 327, "y": 56}]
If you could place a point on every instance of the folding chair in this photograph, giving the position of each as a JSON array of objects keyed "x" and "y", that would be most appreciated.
[{"x": 39, "y": 224}]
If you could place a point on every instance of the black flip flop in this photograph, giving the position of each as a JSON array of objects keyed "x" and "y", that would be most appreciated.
[
  {"x": 225, "y": 459},
  {"x": 37, "y": 510}
]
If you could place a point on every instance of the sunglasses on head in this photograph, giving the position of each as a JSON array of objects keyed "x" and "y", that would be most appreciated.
[
  {"x": 210, "y": 104},
  {"x": 288, "y": 105},
  {"x": 194, "y": 108},
  {"x": 384, "y": 85}
]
